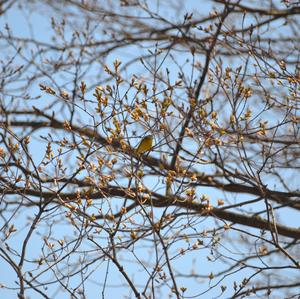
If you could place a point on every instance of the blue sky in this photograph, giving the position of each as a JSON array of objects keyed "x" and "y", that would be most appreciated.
[{"x": 40, "y": 28}]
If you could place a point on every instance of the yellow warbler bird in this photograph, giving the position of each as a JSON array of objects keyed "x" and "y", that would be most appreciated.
[{"x": 145, "y": 145}]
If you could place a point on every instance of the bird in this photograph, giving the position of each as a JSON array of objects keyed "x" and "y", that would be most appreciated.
[{"x": 145, "y": 145}]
